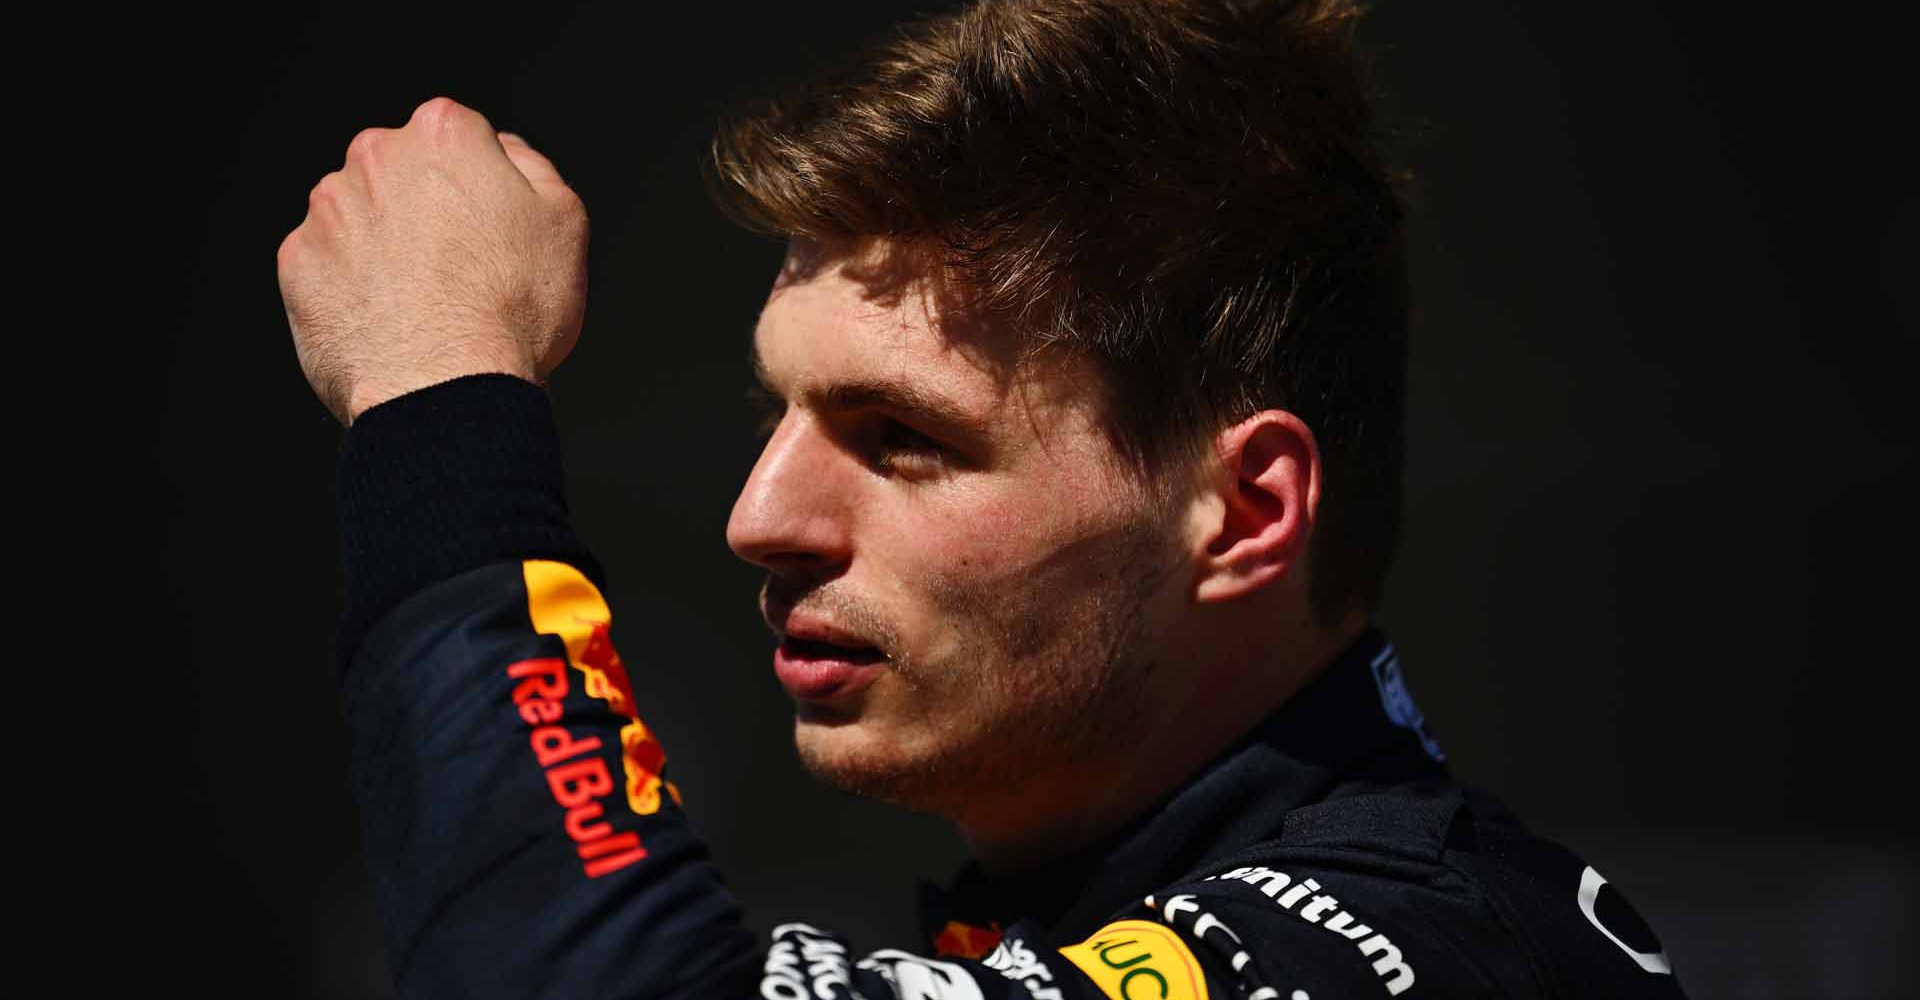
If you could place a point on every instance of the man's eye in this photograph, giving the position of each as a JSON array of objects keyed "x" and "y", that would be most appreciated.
[{"x": 898, "y": 447}]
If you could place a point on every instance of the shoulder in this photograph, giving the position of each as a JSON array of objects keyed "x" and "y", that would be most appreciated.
[{"x": 1419, "y": 889}]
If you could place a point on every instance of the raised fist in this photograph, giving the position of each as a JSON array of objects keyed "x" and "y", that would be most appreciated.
[{"x": 439, "y": 249}]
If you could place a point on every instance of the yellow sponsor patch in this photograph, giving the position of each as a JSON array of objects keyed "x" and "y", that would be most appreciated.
[{"x": 1139, "y": 960}]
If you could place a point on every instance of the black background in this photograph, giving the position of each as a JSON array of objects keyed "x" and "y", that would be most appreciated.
[{"x": 1655, "y": 590}]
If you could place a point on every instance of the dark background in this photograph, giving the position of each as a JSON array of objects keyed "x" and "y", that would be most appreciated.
[{"x": 1655, "y": 588}]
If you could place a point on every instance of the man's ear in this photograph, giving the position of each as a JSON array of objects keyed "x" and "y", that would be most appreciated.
[{"x": 1269, "y": 488}]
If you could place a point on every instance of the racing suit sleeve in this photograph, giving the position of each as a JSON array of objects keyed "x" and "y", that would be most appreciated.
[{"x": 520, "y": 820}]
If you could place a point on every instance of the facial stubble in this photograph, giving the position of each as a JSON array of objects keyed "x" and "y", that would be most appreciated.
[{"x": 1051, "y": 673}]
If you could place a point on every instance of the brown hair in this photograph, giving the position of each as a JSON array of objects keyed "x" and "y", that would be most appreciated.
[{"x": 1182, "y": 189}]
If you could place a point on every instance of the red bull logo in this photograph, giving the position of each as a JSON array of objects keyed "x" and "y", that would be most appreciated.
[
  {"x": 576, "y": 776},
  {"x": 562, "y": 602},
  {"x": 644, "y": 757},
  {"x": 958, "y": 940}
]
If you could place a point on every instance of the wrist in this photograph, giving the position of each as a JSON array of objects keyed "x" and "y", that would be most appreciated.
[
  {"x": 445, "y": 479},
  {"x": 368, "y": 393}
]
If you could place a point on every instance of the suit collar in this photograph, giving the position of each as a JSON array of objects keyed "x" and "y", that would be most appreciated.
[{"x": 1355, "y": 722}]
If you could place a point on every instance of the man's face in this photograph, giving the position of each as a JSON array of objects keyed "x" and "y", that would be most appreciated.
[{"x": 966, "y": 584}]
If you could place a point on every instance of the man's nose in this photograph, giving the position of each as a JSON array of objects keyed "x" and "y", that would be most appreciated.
[{"x": 791, "y": 516}]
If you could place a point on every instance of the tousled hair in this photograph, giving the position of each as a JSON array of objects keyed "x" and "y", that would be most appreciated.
[{"x": 1183, "y": 190}]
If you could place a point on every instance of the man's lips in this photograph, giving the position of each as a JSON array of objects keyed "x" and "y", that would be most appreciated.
[
  {"x": 812, "y": 670},
  {"x": 818, "y": 660}
]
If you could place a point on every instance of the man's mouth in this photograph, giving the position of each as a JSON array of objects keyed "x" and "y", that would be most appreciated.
[
  {"x": 816, "y": 649},
  {"x": 818, "y": 670}
]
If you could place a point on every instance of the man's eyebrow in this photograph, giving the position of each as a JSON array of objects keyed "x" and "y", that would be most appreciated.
[
  {"x": 886, "y": 394},
  {"x": 901, "y": 397}
]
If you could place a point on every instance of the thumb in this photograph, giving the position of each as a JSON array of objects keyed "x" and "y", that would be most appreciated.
[{"x": 535, "y": 167}]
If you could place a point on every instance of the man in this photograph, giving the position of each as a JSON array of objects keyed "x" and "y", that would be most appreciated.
[{"x": 1083, "y": 376}]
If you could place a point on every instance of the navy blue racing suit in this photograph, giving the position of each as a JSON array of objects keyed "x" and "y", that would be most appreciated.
[{"x": 526, "y": 838}]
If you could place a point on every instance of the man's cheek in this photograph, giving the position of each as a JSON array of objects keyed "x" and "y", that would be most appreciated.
[{"x": 956, "y": 551}]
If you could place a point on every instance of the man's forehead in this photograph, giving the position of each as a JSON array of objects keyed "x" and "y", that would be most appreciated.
[
  {"x": 856, "y": 332},
  {"x": 866, "y": 314}
]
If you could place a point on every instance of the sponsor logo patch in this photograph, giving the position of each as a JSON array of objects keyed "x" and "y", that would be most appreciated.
[
  {"x": 807, "y": 963},
  {"x": 562, "y": 601},
  {"x": 960, "y": 940},
  {"x": 1591, "y": 882},
  {"x": 915, "y": 978},
  {"x": 1139, "y": 960},
  {"x": 1398, "y": 702},
  {"x": 576, "y": 775},
  {"x": 1306, "y": 900},
  {"x": 1013, "y": 959}
]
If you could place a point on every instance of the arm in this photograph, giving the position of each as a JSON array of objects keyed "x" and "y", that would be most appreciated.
[{"x": 523, "y": 835}]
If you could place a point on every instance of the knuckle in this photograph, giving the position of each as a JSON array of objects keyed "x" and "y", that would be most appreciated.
[
  {"x": 326, "y": 192},
  {"x": 366, "y": 143},
  {"x": 435, "y": 107},
  {"x": 445, "y": 114}
]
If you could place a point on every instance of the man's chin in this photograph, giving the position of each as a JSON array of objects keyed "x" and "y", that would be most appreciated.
[
  {"x": 851, "y": 754},
  {"x": 814, "y": 713}
]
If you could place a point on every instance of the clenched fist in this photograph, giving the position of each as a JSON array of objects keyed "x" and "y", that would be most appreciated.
[{"x": 440, "y": 249}]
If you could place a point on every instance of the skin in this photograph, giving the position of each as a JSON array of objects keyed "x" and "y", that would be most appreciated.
[
  {"x": 438, "y": 249},
  {"x": 1059, "y": 641}
]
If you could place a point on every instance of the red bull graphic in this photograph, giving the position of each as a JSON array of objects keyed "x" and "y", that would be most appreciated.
[
  {"x": 562, "y": 601},
  {"x": 958, "y": 940},
  {"x": 576, "y": 776}
]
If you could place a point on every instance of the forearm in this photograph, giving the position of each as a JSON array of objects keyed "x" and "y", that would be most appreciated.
[
  {"x": 450, "y": 478},
  {"x": 522, "y": 835}
]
